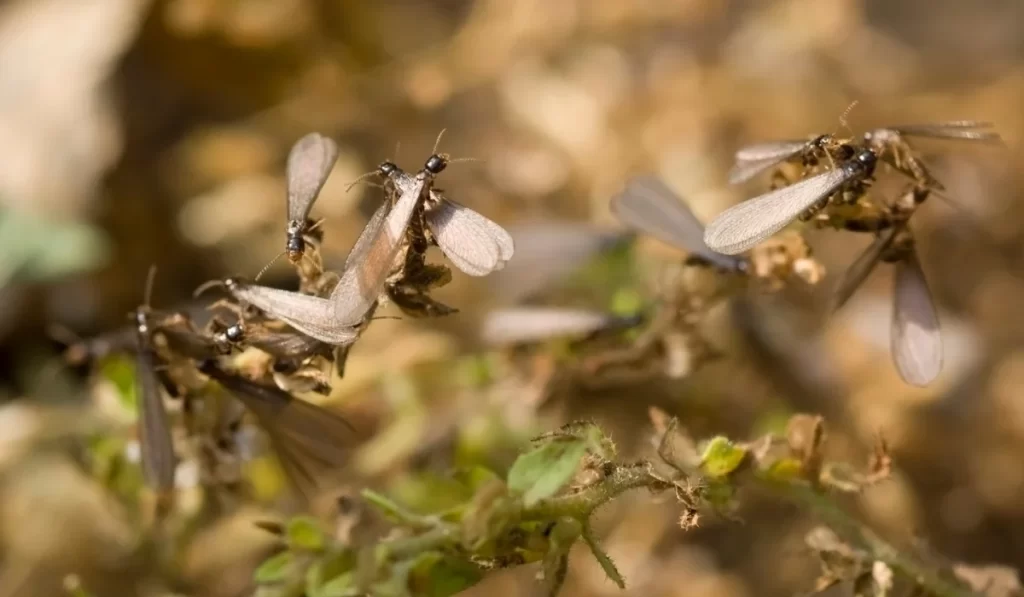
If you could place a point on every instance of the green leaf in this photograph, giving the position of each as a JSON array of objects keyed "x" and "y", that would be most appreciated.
[
  {"x": 275, "y": 569},
  {"x": 721, "y": 457},
  {"x": 339, "y": 586},
  {"x": 602, "y": 558},
  {"x": 35, "y": 248},
  {"x": 437, "y": 575},
  {"x": 305, "y": 533},
  {"x": 540, "y": 473},
  {"x": 383, "y": 503}
]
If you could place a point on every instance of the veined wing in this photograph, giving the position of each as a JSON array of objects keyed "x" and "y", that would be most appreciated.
[{"x": 915, "y": 335}]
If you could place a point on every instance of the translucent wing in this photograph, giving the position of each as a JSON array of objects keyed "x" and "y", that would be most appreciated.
[
  {"x": 535, "y": 324},
  {"x": 649, "y": 206},
  {"x": 311, "y": 441},
  {"x": 546, "y": 252},
  {"x": 365, "y": 271},
  {"x": 860, "y": 269},
  {"x": 742, "y": 226},
  {"x": 156, "y": 445},
  {"x": 309, "y": 164},
  {"x": 961, "y": 129},
  {"x": 755, "y": 159},
  {"x": 372, "y": 228},
  {"x": 916, "y": 338},
  {"x": 308, "y": 314},
  {"x": 475, "y": 244}
]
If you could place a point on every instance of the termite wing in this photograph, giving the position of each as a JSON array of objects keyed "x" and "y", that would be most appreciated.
[
  {"x": 744, "y": 225},
  {"x": 915, "y": 336},
  {"x": 155, "y": 442},
  {"x": 338, "y": 320},
  {"x": 547, "y": 251},
  {"x": 755, "y": 159},
  {"x": 647, "y": 205},
  {"x": 309, "y": 164},
  {"x": 522, "y": 325},
  {"x": 474, "y": 243},
  {"x": 892, "y": 147},
  {"x": 312, "y": 442}
]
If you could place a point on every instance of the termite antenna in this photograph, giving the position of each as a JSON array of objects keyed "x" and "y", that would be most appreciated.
[
  {"x": 269, "y": 265},
  {"x": 361, "y": 178},
  {"x": 438, "y": 141},
  {"x": 843, "y": 119},
  {"x": 206, "y": 286}
]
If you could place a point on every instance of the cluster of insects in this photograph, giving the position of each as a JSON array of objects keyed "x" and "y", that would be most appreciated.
[
  {"x": 824, "y": 181},
  {"x": 301, "y": 333}
]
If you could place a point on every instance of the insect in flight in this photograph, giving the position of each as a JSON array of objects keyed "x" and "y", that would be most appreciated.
[
  {"x": 521, "y": 325},
  {"x": 309, "y": 164},
  {"x": 647, "y": 205}
]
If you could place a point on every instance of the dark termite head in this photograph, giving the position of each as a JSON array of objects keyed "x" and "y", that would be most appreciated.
[
  {"x": 864, "y": 161},
  {"x": 436, "y": 163},
  {"x": 386, "y": 169},
  {"x": 295, "y": 246}
]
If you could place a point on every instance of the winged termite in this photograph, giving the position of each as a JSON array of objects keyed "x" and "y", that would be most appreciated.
[
  {"x": 337, "y": 320},
  {"x": 156, "y": 445},
  {"x": 891, "y": 145},
  {"x": 742, "y": 226},
  {"x": 755, "y": 159},
  {"x": 916, "y": 342},
  {"x": 647, "y": 205},
  {"x": 474, "y": 243},
  {"x": 309, "y": 164},
  {"x": 535, "y": 324},
  {"x": 312, "y": 442},
  {"x": 547, "y": 252}
]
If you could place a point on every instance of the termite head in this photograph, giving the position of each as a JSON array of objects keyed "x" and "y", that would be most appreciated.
[
  {"x": 436, "y": 163},
  {"x": 295, "y": 246},
  {"x": 386, "y": 169},
  {"x": 865, "y": 161}
]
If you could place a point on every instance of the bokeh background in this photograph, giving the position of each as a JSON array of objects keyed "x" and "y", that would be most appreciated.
[{"x": 138, "y": 132}]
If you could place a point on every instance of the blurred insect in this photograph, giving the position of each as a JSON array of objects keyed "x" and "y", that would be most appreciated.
[
  {"x": 649, "y": 206},
  {"x": 547, "y": 252},
  {"x": 744, "y": 225},
  {"x": 156, "y": 445},
  {"x": 891, "y": 146},
  {"x": 313, "y": 443},
  {"x": 916, "y": 342},
  {"x": 523, "y": 325},
  {"x": 309, "y": 164}
]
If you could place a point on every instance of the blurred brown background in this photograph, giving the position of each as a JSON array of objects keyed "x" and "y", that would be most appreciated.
[{"x": 136, "y": 133}]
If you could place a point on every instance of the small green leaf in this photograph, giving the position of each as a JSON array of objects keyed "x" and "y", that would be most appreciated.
[
  {"x": 721, "y": 457},
  {"x": 339, "y": 586},
  {"x": 602, "y": 558},
  {"x": 383, "y": 503},
  {"x": 275, "y": 569},
  {"x": 542, "y": 472},
  {"x": 305, "y": 533},
  {"x": 436, "y": 575}
]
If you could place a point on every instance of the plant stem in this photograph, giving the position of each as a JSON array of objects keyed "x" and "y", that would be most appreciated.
[
  {"x": 863, "y": 538},
  {"x": 579, "y": 505}
]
